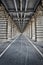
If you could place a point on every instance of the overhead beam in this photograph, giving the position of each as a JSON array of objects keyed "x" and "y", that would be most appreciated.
[
  {"x": 26, "y": 13},
  {"x": 29, "y": 13},
  {"x": 36, "y": 4},
  {"x": 5, "y": 4},
  {"x": 21, "y": 7},
  {"x": 20, "y": 11},
  {"x": 42, "y": 2},
  {"x": 29, "y": 10},
  {"x": 16, "y": 8},
  {"x": 26, "y": 6},
  {"x": 21, "y": 18}
]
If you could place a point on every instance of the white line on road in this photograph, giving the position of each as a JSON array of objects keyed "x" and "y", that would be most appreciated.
[
  {"x": 8, "y": 46},
  {"x": 34, "y": 46}
]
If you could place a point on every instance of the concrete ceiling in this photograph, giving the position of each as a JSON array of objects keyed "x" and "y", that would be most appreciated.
[{"x": 21, "y": 11}]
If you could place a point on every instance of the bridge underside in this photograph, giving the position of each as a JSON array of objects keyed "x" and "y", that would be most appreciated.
[
  {"x": 21, "y": 11},
  {"x": 21, "y": 32},
  {"x": 22, "y": 16}
]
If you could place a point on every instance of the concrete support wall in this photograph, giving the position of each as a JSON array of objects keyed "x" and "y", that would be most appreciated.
[
  {"x": 3, "y": 24},
  {"x": 30, "y": 30},
  {"x": 39, "y": 23},
  {"x": 12, "y": 28},
  {"x": 8, "y": 29},
  {"x": 34, "y": 29},
  {"x": 15, "y": 30},
  {"x": 39, "y": 26}
]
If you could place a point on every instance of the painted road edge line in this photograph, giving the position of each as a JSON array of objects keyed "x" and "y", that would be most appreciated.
[
  {"x": 34, "y": 46},
  {"x": 8, "y": 47}
]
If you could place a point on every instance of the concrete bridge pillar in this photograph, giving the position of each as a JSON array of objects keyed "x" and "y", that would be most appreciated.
[
  {"x": 33, "y": 28},
  {"x": 8, "y": 29}
]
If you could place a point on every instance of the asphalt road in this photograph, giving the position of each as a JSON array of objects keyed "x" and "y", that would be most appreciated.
[{"x": 21, "y": 52}]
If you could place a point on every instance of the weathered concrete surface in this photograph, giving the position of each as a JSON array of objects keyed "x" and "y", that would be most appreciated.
[
  {"x": 21, "y": 52},
  {"x": 39, "y": 45},
  {"x": 34, "y": 29},
  {"x": 30, "y": 29},
  {"x": 35, "y": 26},
  {"x": 8, "y": 29}
]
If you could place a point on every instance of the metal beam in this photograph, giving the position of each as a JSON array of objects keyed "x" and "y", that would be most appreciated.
[
  {"x": 26, "y": 13},
  {"x": 36, "y": 4},
  {"x": 4, "y": 3},
  {"x": 20, "y": 12},
  {"x": 21, "y": 18},
  {"x": 29, "y": 10},
  {"x": 16, "y": 8},
  {"x": 21, "y": 7},
  {"x": 29, "y": 13},
  {"x": 42, "y": 2},
  {"x": 26, "y": 6}
]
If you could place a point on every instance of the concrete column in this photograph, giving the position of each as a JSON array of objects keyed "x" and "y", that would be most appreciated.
[
  {"x": 9, "y": 28},
  {"x": 15, "y": 30},
  {"x": 33, "y": 29},
  {"x": 3, "y": 24},
  {"x": 39, "y": 25},
  {"x": 42, "y": 2},
  {"x": 27, "y": 30},
  {"x": 30, "y": 29}
]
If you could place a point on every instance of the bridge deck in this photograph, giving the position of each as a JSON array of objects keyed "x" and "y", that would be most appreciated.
[{"x": 21, "y": 52}]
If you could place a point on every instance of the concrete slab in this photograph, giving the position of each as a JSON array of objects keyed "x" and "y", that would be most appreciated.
[{"x": 21, "y": 52}]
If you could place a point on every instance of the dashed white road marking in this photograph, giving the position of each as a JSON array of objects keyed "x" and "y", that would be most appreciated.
[
  {"x": 8, "y": 46},
  {"x": 34, "y": 46}
]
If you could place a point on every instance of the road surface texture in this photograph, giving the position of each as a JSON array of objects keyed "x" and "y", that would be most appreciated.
[{"x": 21, "y": 52}]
